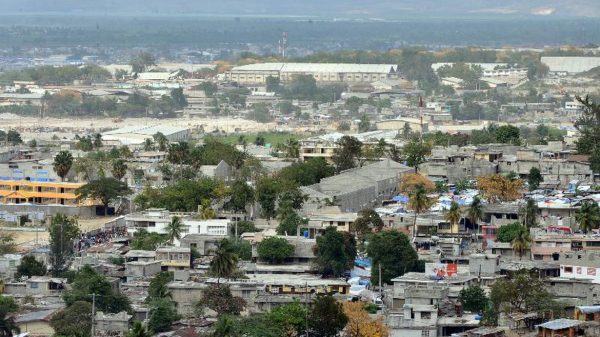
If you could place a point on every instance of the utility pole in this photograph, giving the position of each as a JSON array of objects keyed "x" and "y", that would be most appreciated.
[
  {"x": 306, "y": 307},
  {"x": 380, "y": 290},
  {"x": 93, "y": 314}
]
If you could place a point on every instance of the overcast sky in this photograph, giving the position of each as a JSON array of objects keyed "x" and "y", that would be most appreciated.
[{"x": 330, "y": 8}]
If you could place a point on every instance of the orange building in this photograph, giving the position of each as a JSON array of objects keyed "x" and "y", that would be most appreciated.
[{"x": 43, "y": 193}]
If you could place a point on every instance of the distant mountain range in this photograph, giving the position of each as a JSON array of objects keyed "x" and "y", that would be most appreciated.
[{"x": 388, "y": 9}]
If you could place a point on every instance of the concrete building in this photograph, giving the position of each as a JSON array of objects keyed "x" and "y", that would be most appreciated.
[
  {"x": 174, "y": 258},
  {"x": 416, "y": 124},
  {"x": 222, "y": 171},
  {"x": 44, "y": 285},
  {"x": 36, "y": 323},
  {"x": 139, "y": 270},
  {"x": 112, "y": 323},
  {"x": 370, "y": 185},
  {"x": 322, "y": 72}
]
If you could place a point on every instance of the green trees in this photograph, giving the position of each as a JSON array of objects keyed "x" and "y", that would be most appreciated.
[
  {"x": 327, "y": 317},
  {"x": 347, "y": 154},
  {"x": 508, "y": 134},
  {"x": 178, "y": 98},
  {"x": 588, "y": 126},
  {"x": 308, "y": 172},
  {"x": 415, "y": 152},
  {"x": 142, "y": 240},
  {"x": 453, "y": 215},
  {"x": 138, "y": 330},
  {"x": 119, "y": 169},
  {"x": 394, "y": 252},
  {"x": 181, "y": 196},
  {"x": 365, "y": 124},
  {"x": 29, "y": 267},
  {"x": 174, "y": 229},
  {"x": 475, "y": 212},
  {"x": 266, "y": 195},
  {"x": 588, "y": 216},
  {"x": 162, "y": 315},
  {"x": 224, "y": 261},
  {"x": 473, "y": 299},
  {"x": 178, "y": 153},
  {"x": 367, "y": 221},
  {"x": 242, "y": 194},
  {"x": 8, "y": 326},
  {"x": 289, "y": 224},
  {"x": 62, "y": 164},
  {"x": 209, "y": 88},
  {"x": 275, "y": 250},
  {"x": 88, "y": 282},
  {"x": 522, "y": 241},
  {"x": 219, "y": 299},
  {"x": 418, "y": 202},
  {"x": 333, "y": 254},
  {"x": 529, "y": 213},
  {"x": 141, "y": 62},
  {"x": 63, "y": 230},
  {"x": 534, "y": 178},
  {"x": 260, "y": 113},
  {"x": 290, "y": 317},
  {"x": 105, "y": 190},
  {"x": 507, "y": 233},
  {"x": 523, "y": 293},
  {"x": 75, "y": 320}
]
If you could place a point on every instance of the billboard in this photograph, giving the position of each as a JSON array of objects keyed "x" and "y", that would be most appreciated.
[{"x": 440, "y": 271}]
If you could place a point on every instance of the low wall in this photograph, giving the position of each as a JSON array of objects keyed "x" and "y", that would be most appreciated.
[{"x": 50, "y": 210}]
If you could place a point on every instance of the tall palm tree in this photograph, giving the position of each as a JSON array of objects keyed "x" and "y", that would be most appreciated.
[
  {"x": 119, "y": 169},
  {"x": 529, "y": 213},
  {"x": 206, "y": 210},
  {"x": 138, "y": 330},
  {"x": 174, "y": 229},
  {"x": 8, "y": 325},
  {"x": 148, "y": 144},
  {"x": 453, "y": 215},
  {"x": 475, "y": 212},
  {"x": 419, "y": 202},
  {"x": 62, "y": 164},
  {"x": 588, "y": 216},
  {"x": 521, "y": 242},
  {"x": 161, "y": 140},
  {"x": 292, "y": 148},
  {"x": 224, "y": 261}
]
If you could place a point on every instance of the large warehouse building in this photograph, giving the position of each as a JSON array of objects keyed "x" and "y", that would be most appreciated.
[
  {"x": 322, "y": 72},
  {"x": 137, "y": 135}
]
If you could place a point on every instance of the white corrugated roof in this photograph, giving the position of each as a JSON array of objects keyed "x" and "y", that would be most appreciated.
[
  {"x": 571, "y": 64},
  {"x": 148, "y": 130},
  {"x": 319, "y": 67}
]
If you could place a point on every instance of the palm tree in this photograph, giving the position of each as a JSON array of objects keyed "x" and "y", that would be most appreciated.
[
  {"x": 62, "y": 164},
  {"x": 138, "y": 330},
  {"x": 453, "y": 215},
  {"x": 529, "y": 213},
  {"x": 475, "y": 212},
  {"x": 8, "y": 325},
  {"x": 224, "y": 261},
  {"x": 292, "y": 148},
  {"x": 419, "y": 202},
  {"x": 174, "y": 229},
  {"x": 588, "y": 216},
  {"x": 206, "y": 211},
  {"x": 521, "y": 242},
  {"x": 161, "y": 140},
  {"x": 148, "y": 144},
  {"x": 119, "y": 169}
]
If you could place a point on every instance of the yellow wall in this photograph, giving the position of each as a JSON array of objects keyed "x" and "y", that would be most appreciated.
[{"x": 38, "y": 328}]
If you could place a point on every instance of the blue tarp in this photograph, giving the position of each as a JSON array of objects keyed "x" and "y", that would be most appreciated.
[{"x": 400, "y": 198}]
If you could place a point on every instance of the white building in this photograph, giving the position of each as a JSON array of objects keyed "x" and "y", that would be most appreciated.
[
  {"x": 137, "y": 135},
  {"x": 157, "y": 220},
  {"x": 322, "y": 72}
]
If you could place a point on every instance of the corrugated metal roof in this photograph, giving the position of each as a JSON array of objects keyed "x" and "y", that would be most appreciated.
[
  {"x": 572, "y": 64},
  {"x": 589, "y": 309},
  {"x": 319, "y": 67},
  {"x": 559, "y": 324}
]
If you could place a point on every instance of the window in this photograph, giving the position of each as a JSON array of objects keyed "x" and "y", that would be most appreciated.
[
  {"x": 34, "y": 285},
  {"x": 425, "y": 315},
  {"x": 568, "y": 269},
  {"x": 424, "y": 333}
]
